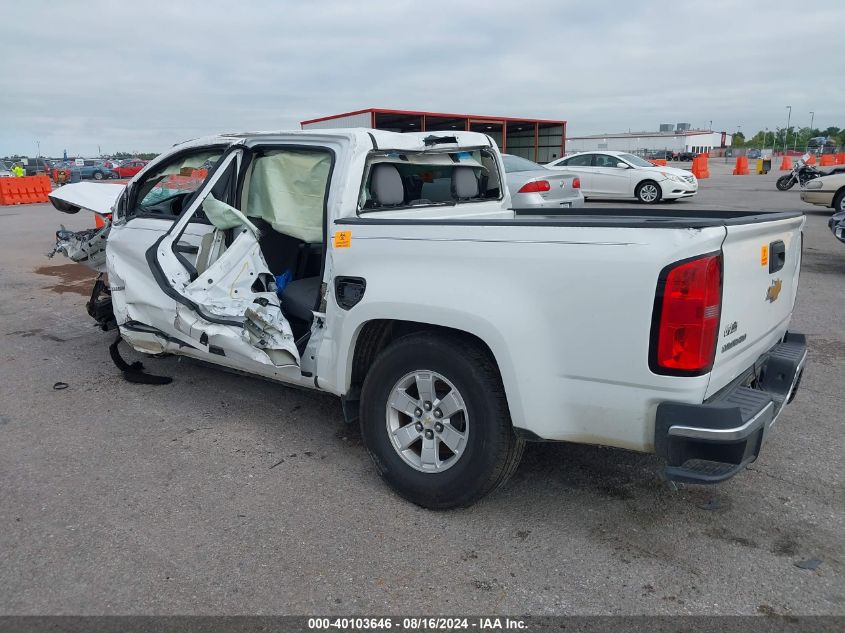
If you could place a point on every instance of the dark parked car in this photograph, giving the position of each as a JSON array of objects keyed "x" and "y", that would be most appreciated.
[
  {"x": 34, "y": 166},
  {"x": 753, "y": 154}
]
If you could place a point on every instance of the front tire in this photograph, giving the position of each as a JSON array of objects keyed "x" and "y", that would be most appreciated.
[
  {"x": 435, "y": 421},
  {"x": 839, "y": 202},
  {"x": 785, "y": 183},
  {"x": 648, "y": 192},
  {"x": 98, "y": 175}
]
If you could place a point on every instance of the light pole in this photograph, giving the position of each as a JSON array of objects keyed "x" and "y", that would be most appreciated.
[
  {"x": 812, "y": 114},
  {"x": 786, "y": 131}
]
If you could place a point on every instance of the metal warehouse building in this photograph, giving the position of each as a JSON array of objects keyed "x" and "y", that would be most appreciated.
[
  {"x": 540, "y": 140},
  {"x": 681, "y": 139}
]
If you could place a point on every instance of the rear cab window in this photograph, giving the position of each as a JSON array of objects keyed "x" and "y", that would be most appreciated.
[{"x": 405, "y": 180}]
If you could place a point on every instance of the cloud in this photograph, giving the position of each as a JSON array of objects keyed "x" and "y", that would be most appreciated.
[{"x": 142, "y": 76}]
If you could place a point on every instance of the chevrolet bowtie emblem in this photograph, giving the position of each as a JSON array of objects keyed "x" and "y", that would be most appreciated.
[{"x": 773, "y": 292}]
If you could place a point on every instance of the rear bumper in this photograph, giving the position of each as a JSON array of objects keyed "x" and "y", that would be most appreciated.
[{"x": 713, "y": 441}]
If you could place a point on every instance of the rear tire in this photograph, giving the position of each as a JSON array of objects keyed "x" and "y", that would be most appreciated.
[
  {"x": 489, "y": 452},
  {"x": 648, "y": 192},
  {"x": 839, "y": 202},
  {"x": 785, "y": 183},
  {"x": 98, "y": 175}
]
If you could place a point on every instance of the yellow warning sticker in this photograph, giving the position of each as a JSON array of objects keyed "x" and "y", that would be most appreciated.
[
  {"x": 342, "y": 239},
  {"x": 764, "y": 255}
]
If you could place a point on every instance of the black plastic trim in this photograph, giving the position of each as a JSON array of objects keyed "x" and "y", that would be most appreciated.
[
  {"x": 137, "y": 326},
  {"x": 616, "y": 218},
  {"x": 658, "y": 308}
]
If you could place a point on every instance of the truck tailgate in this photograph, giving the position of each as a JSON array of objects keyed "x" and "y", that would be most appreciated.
[{"x": 761, "y": 262}]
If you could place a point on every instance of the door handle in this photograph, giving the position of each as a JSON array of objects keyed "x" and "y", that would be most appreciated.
[{"x": 777, "y": 256}]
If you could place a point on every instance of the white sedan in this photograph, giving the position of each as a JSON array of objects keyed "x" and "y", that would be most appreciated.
[{"x": 609, "y": 174}]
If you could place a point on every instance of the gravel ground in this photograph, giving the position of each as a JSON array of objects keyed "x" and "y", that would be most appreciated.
[{"x": 223, "y": 494}]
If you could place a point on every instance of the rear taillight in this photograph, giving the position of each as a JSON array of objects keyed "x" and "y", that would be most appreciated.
[
  {"x": 535, "y": 186},
  {"x": 576, "y": 184},
  {"x": 686, "y": 312}
]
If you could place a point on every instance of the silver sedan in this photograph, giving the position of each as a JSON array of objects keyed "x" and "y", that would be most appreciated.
[{"x": 532, "y": 186}]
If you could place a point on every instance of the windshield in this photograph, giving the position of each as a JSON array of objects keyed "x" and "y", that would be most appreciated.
[
  {"x": 3, "y": 166},
  {"x": 517, "y": 163},
  {"x": 636, "y": 160}
]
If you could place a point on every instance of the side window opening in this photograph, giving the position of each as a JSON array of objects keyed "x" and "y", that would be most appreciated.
[
  {"x": 164, "y": 191},
  {"x": 285, "y": 196},
  {"x": 417, "y": 179}
]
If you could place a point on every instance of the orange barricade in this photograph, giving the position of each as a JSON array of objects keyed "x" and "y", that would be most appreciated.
[
  {"x": 741, "y": 168},
  {"x": 840, "y": 158},
  {"x": 786, "y": 164},
  {"x": 25, "y": 190},
  {"x": 700, "y": 169},
  {"x": 660, "y": 162},
  {"x": 811, "y": 160},
  {"x": 827, "y": 160}
]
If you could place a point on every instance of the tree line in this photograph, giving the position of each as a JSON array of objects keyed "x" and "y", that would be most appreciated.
[{"x": 797, "y": 137}]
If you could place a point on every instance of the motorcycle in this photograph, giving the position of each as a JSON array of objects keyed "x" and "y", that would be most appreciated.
[{"x": 801, "y": 173}]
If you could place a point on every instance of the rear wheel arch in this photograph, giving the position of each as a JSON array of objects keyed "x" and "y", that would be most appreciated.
[{"x": 375, "y": 335}]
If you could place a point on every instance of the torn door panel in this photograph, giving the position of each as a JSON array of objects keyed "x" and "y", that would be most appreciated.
[{"x": 239, "y": 287}]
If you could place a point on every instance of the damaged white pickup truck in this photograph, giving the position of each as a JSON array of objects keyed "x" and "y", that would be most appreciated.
[{"x": 391, "y": 270}]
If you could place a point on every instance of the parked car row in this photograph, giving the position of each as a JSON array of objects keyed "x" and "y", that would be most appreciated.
[{"x": 91, "y": 169}]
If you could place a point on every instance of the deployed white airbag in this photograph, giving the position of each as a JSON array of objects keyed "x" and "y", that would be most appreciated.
[{"x": 288, "y": 189}]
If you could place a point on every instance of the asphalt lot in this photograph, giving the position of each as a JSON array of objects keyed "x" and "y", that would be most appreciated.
[{"x": 222, "y": 494}]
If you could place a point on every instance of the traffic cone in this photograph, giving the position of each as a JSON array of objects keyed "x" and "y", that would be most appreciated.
[
  {"x": 741, "y": 168},
  {"x": 840, "y": 158},
  {"x": 786, "y": 164},
  {"x": 827, "y": 160}
]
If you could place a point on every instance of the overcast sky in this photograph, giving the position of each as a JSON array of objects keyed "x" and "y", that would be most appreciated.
[{"x": 141, "y": 75}]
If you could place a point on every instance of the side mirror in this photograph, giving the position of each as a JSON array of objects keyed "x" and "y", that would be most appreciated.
[{"x": 622, "y": 165}]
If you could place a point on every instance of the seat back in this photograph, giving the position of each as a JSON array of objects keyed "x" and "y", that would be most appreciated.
[
  {"x": 386, "y": 185},
  {"x": 464, "y": 183}
]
